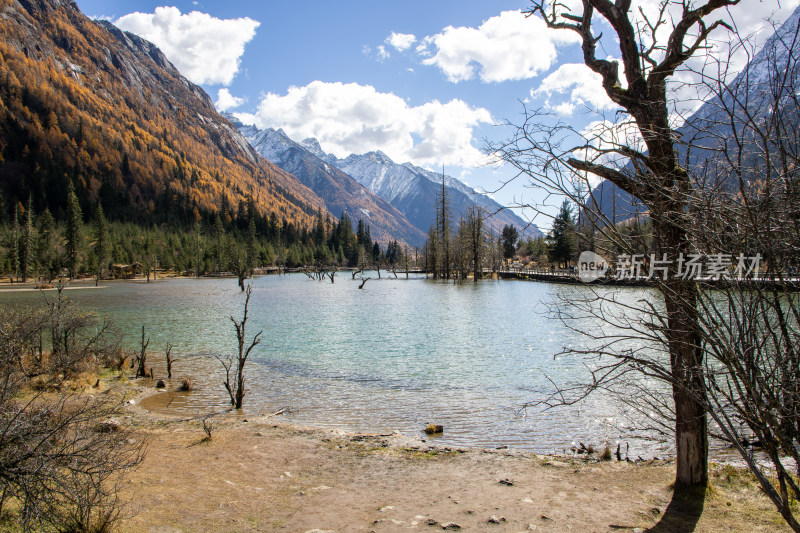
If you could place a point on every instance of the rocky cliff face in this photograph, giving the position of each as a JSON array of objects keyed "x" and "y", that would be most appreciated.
[{"x": 85, "y": 102}]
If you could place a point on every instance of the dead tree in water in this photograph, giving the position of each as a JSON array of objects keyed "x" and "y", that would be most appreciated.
[
  {"x": 235, "y": 384},
  {"x": 141, "y": 372},
  {"x": 363, "y": 282},
  {"x": 170, "y": 360}
]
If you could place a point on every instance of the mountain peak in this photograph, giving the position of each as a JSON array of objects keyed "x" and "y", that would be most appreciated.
[
  {"x": 379, "y": 156},
  {"x": 312, "y": 145},
  {"x": 341, "y": 192}
]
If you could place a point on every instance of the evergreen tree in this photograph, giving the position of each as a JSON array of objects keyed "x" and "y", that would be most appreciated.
[
  {"x": 26, "y": 244},
  {"x": 72, "y": 233},
  {"x": 432, "y": 252},
  {"x": 197, "y": 248},
  {"x": 367, "y": 238},
  {"x": 250, "y": 246},
  {"x": 15, "y": 238},
  {"x": 101, "y": 241},
  {"x": 219, "y": 248},
  {"x": 509, "y": 239},
  {"x": 46, "y": 247},
  {"x": 319, "y": 229},
  {"x": 563, "y": 244}
]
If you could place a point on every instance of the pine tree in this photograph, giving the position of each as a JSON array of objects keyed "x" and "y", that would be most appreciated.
[
  {"x": 250, "y": 248},
  {"x": 219, "y": 249},
  {"x": 46, "y": 249},
  {"x": 563, "y": 244},
  {"x": 101, "y": 244},
  {"x": 509, "y": 238},
  {"x": 319, "y": 229},
  {"x": 73, "y": 230},
  {"x": 15, "y": 238},
  {"x": 476, "y": 239},
  {"x": 26, "y": 246}
]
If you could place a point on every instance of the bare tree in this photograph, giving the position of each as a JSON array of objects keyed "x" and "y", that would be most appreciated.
[
  {"x": 70, "y": 351},
  {"x": 750, "y": 199},
  {"x": 141, "y": 359},
  {"x": 234, "y": 367},
  {"x": 169, "y": 358},
  {"x": 477, "y": 240},
  {"x": 653, "y": 174},
  {"x": 62, "y": 455},
  {"x": 443, "y": 230}
]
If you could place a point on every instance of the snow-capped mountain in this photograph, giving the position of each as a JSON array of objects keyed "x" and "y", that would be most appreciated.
[
  {"x": 339, "y": 191},
  {"x": 405, "y": 192},
  {"x": 413, "y": 190}
]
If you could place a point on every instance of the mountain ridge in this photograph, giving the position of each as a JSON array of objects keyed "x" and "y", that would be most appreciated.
[
  {"x": 410, "y": 189},
  {"x": 339, "y": 191}
]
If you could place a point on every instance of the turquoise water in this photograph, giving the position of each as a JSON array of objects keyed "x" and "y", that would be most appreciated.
[{"x": 394, "y": 356}]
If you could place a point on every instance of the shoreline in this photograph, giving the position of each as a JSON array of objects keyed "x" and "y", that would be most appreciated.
[{"x": 260, "y": 473}]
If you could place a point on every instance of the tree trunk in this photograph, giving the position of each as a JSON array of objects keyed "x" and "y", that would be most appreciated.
[
  {"x": 686, "y": 361},
  {"x": 240, "y": 387}
]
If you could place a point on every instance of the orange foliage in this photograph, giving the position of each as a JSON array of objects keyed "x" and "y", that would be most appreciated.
[{"x": 86, "y": 99}]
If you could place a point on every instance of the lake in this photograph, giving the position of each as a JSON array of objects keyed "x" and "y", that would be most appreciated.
[{"x": 397, "y": 355}]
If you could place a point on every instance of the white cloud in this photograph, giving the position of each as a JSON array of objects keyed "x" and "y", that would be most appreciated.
[
  {"x": 509, "y": 46},
  {"x": 383, "y": 53},
  {"x": 749, "y": 19},
  {"x": 602, "y": 137},
  {"x": 226, "y": 101},
  {"x": 350, "y": 118},
  {"x": 401, "y": 41},
  {"x": 577, "y": 81},
  {"x": 205, "y": 49}
]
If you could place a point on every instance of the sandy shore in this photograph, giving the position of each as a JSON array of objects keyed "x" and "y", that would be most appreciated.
[{"x": 262, "y": 474}]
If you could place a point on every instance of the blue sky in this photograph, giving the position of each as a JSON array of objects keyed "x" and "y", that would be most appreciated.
[{"x": 422, "y": 81}]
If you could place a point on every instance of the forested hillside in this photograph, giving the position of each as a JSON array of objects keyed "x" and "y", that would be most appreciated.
[{"x": 82, "y": 102}]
